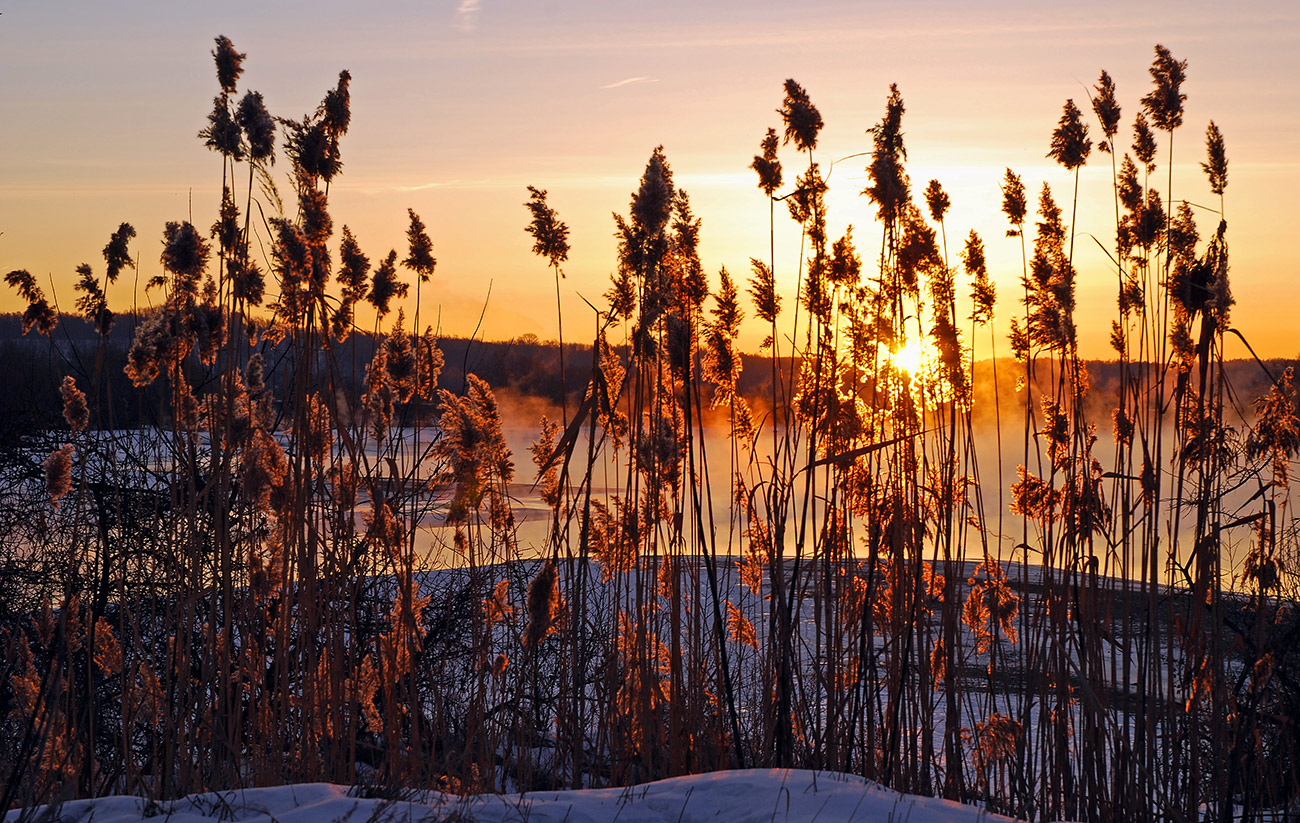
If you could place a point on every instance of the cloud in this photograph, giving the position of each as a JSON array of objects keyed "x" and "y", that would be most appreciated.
[
  {"x": 631, "y": 81},
  {"x": 421, "y": 186},
  {"x": 467, "y": 15}
]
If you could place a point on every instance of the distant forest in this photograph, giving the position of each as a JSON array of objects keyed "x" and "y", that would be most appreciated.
[{"x": 32, "y": 367}]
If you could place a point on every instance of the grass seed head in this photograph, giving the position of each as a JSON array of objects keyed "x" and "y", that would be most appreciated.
[
  {"x": 420, "y": 259},
  {"x": 1107, "y": 110},
  {"x": 75, "y": 410},
  {"x": 116, "y": 253},
  {"x": 335, "y": 111},
  {"x": 258, "y": 126},
  {"x": 1014, "y": 204},
  {"x": 1164, "y": 103},
  {"x": 767, "y": 165},
  {"x": 541, "y": 598},
  {"x": 1070, "y": 143},
  {"x": 58, "y": 472},
  {"x": 937, "y": 200},
  {"x": 889, "y": 183},
  {"x": 802, "y": 120},
  {"x": 222, "y": 134},
  {"x": 1144, "y": 143},
  {"x": 550, "y": 234},
  {"x": 230, "y": 64},
  {"x": 1216, "y": 165},
  {"x": 385, "y": 285},
  {"x": 185, "y": 254}
]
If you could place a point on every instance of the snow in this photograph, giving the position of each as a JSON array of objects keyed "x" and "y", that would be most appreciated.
[{"x": 747, "y": 796}]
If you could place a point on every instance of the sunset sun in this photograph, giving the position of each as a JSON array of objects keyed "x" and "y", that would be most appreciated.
[{"x": 911, "y": 358}]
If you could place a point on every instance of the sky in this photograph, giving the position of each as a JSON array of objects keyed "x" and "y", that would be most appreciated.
[{"x": 458, "y": 106}]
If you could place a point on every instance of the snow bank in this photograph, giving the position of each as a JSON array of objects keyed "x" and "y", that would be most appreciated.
[{"x": 749, "y": 796}]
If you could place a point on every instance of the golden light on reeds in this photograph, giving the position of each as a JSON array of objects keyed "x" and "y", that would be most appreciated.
[{"x": 331, "y": 567}]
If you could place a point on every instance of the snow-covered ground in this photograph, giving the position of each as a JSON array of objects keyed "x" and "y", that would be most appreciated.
[{"x": 749, "y": 796}]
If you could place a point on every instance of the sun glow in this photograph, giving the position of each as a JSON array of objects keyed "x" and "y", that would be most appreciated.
[
  {"x": 910, "y": 359},
  {"x": 918, "y": 370}
]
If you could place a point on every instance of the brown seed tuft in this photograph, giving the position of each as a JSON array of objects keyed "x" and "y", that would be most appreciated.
[
  {"x": 58, "y": 472},
  {"x": 74, "y": 404}
]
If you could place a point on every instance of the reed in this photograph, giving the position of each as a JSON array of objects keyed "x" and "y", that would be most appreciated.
[{"x": 249, "y": 591}]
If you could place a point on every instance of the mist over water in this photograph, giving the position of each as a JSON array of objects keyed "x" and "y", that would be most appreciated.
[{"x": 998, "y": 455}]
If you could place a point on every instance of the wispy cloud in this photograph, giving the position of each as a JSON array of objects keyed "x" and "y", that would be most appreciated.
[
  {"x": 822, "y": 38},
  {"x": 631, "y": 81},
  {"x": 421, "y": 186},
  {"x": 467, "y": 15}
]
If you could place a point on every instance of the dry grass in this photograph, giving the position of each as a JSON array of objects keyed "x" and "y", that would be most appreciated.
[{"x": 240, "y": 594}]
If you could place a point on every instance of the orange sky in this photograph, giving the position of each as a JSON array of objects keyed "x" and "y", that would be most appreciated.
[{"x": 458, "y": 106}]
